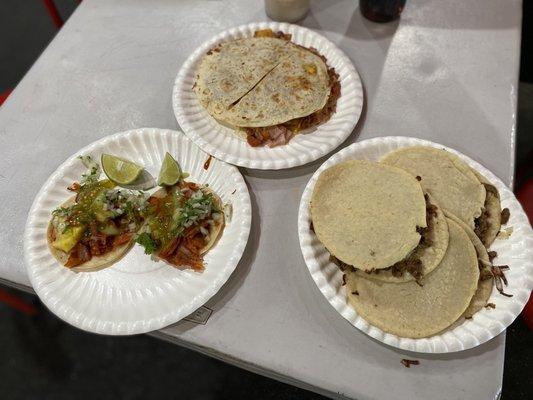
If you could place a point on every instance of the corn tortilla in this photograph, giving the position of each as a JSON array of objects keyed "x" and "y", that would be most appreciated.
[
  {"x": 366, "y": 214},
  {"x": 429, "y": 256},
  {"x": 444, "y": 176}
]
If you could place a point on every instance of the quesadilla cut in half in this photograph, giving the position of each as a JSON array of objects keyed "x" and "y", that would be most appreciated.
[
  {"x": 183, "y": 222},
  {"x": 368, "y": 215},
  {"x": 266, "y": 87},
  {"x": 96, "y": 227},
  {"x": 448, "y": 179},
  {"x": 414, "y": 311}
]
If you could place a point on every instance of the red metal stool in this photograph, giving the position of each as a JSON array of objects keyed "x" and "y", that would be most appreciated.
[
  {"x": 4, "y": 95},
  {"x": 54, "y": 12}
]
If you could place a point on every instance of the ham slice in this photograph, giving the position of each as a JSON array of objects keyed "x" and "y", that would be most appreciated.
[
  {"x": 271, "y": 136},
  {"x": 279, "y": 135}
]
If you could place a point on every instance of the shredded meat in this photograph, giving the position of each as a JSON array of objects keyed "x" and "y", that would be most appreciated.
[
  {"x": 78, "y": 255},
  {"x": 342, "y": 265},
  {"x": 185, "y": 250},
  {"x": 506, "y": 214},
  {"x": 75, "y": 187},
  {"x": 407, "y": 363},
  {"x": 183, "y": 257},
  {"x": 411, "y": 264},
  {"x": 499, "y": 278},
  {"x": 270, "y": 136},
  {"x": 491, "y": 189},
  {"x": 482, "y": 223},
  {"x": 170, "y": 247}
]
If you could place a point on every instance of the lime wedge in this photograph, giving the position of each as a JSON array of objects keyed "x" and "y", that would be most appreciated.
[
  {"x": 120, "y": 171},
  {"x": 170, "y": 172}
]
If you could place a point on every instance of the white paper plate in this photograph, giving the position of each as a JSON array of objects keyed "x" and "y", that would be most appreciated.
[
  {"x": 136, "y": 294},
  {"x": 222, "y": 142},
  {"x": 517, "y": 252}
]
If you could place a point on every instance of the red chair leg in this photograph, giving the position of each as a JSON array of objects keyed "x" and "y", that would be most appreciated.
[
  {"x": 54, "y": 13},
  {"x": 17, "y": 303},
  {"x": 4, "y": 96}
]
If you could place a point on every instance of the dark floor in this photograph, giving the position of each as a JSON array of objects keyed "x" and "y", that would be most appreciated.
[{"x": 42, "y": 357}]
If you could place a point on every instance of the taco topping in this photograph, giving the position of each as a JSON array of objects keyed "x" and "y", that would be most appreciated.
[
  {"x": 100, "y": 219},
  {"x": 180, "y": 220}
]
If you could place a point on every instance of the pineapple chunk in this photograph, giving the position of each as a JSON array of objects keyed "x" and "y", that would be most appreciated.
[{"x": 65, "y": 241}]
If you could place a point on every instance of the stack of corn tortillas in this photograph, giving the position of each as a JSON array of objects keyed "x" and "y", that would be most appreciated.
[{"x": 411, "y": 234}]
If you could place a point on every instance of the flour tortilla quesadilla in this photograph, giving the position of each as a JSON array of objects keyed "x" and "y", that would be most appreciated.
[{"x": 266, "y": 87}]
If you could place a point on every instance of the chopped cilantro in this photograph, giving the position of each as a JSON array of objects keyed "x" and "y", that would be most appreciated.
[
  {"x": 195, "y": 209},
  {"x": 61, "y": 211},
  {"x": 146, "y": 241},
  {"x": 93, "y": 171}
]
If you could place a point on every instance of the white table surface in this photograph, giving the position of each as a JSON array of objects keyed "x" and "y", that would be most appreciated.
[{"x": 446, "y": 72}]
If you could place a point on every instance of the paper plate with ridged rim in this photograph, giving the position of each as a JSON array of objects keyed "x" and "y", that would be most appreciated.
[
  {"x": 136, "y": 294},
  {"x": 225, "y": 145},
  {"x": 516, "y": 252}
]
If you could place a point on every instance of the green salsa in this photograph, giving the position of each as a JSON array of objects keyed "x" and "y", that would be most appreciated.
[
  {"x": 83, "y": 212},
  {"x": 174, "y": 213},
  {"x": 162, "y": 224}
]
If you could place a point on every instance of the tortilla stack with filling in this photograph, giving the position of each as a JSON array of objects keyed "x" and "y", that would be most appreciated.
[
  {"x": 449, "y": 180},
  {"x": 266, "y": 88},
  {"x": 414, "y": 311},
  {"x": 368, "y": 214}
]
